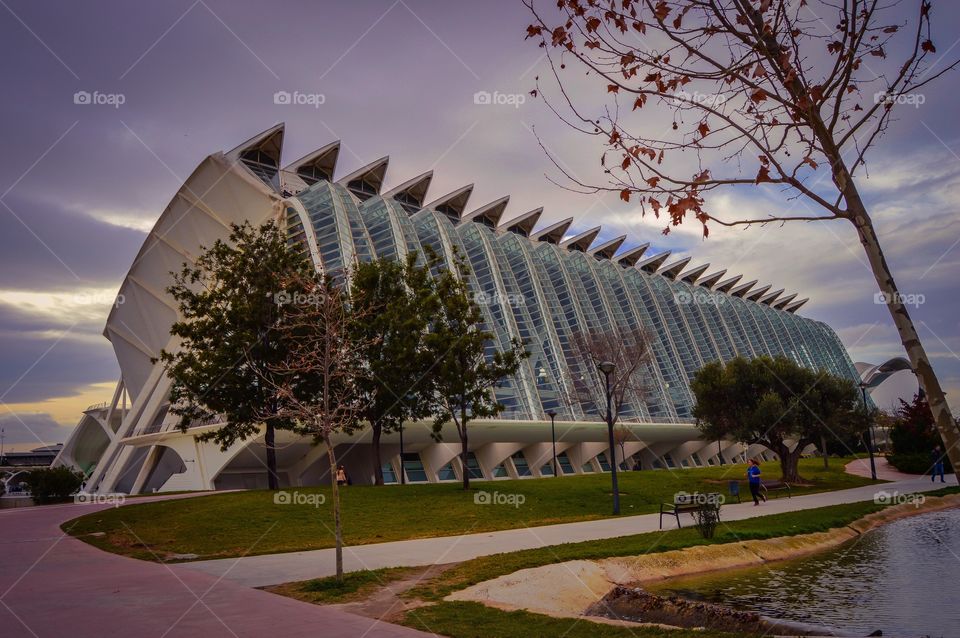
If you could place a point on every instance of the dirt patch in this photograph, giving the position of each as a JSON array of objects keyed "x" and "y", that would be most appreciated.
[
  {"x": 385, "y": 602},
  {"x": 637, "y": 605}
]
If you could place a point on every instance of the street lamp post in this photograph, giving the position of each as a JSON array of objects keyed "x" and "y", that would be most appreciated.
[
  {"x": 403, "y": 469},
  {"x": 719, "y": 451},
  {"x": 553, "y": 438},
  {"x": 866, "y": 415},
  {"x": 607, "y": 368}
]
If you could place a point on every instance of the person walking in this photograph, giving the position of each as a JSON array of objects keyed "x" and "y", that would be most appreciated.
[
  {"x": 937, "y": 457},
  {"x": 341, "y": 476},
  {"x": 753, "y": 478}
]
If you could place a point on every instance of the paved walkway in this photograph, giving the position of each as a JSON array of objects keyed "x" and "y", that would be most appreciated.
[
  {"x": 54, "y": 585},
  {"x": 885, "y": 471},
  {"x": 272, "y": 569}
]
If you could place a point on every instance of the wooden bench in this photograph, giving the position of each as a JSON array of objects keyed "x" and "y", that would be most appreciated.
[
  {"x": 688, "y": 504},
  {"x": 774, "y": 486}
]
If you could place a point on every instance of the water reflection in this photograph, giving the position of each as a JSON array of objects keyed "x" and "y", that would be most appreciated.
[{"x": 899, "y": 578}]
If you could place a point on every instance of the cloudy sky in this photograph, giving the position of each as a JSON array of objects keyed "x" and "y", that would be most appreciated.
[{"x": 82, "y": 183}]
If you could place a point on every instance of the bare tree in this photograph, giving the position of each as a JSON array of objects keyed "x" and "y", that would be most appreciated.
[
  {"x": 629, "y": 351},
  {"x": 617, "y": 381},
  {"x": 780, "y": 92},
  {"x": 315, "y": 383}
]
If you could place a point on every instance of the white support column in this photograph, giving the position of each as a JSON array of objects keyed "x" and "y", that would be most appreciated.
[
  {"x": 491, "y": 455},
  {"x": 148, "y": 463},
  {"x": 436, "y": 455}
]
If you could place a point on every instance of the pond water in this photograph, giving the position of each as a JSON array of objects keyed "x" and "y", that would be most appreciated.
[{"x": 900, "y": 578}]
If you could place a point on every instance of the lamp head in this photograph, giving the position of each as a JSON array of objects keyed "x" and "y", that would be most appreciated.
[{"x": 606, "y": 367}]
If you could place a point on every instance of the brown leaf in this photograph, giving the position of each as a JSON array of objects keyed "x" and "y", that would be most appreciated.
[
  {"x": 559, "y": 35},
  {"x": 661, "y": 10},
  {"x": 703, "y": 129},
  {"x": 653, "y": 181},
  {"x": 758, "y": 96},
  {"x": 763, "y": 175},
  {"x": 928, "y": 46},
  {"x": 613, "y": 88},
  {"x": 625, "y": 164},
  {"x": 625, "y": 194},
  {"x": 640, "y": 101}
]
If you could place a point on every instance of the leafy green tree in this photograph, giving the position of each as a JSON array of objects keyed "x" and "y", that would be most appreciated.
[
  {"x": 230, "y": 301},
  {"x": 775, "y": 403},
  {"x": 464, "y": 376},
  {"x": 396, "y": 301},
  {"x": 913, "y": 435},
  {"x": 53, "y": 484}
]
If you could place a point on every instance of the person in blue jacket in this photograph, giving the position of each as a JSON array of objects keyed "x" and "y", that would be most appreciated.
[
  {"x": 937, "y": 468},
  {"x": 753, "y": 478}
]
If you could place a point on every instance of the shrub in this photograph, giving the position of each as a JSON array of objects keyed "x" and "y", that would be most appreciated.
[
  {"x": 53, "y": 484},
  {"x": 916, "y": 462},
  {"x": 707, "y": 517}
]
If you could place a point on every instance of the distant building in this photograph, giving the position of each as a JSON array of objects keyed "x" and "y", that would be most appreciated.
[
  {"x": 887, "y": 394},
  {"x": 533, "y": 282},
  {"x": 37, "y": 457}
]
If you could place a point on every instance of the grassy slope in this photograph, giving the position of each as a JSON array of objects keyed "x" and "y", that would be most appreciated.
[
  {"x": 473, "y": 620},
  {"x": 789, "y": 524},
  {"x": 236, "y": 524}
]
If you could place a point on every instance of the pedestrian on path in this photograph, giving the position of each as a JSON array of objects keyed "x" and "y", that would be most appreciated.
[
  {"x": 342, "y": 476},
  {"x": 937, "y": 458},
  {"x": 753, "y": 478}
]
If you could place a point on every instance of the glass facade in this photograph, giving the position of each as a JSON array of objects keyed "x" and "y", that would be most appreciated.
[{"x": 544, "y": 294}]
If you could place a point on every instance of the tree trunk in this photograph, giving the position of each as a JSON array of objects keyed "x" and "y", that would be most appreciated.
[
  {"x": 824, "y": 452},
  {"x": 377, "y": 463},
  {"x": 908, "y": 333},
  {"x": 335, "y": 492},
  {"x": 789, "y": 462},
  {"x": 273, "y": 480}
]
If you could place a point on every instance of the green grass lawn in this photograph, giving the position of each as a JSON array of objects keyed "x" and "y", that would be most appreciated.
[
  {"x": 248, "y": 523},
  {"x": 473, "y": 620},
  {"x": 355, "y": 586}
]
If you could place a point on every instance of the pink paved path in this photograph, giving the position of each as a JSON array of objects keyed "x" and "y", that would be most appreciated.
[
  {"x": 885, "y": 471},
  {"x": 55, "y": 585}
]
